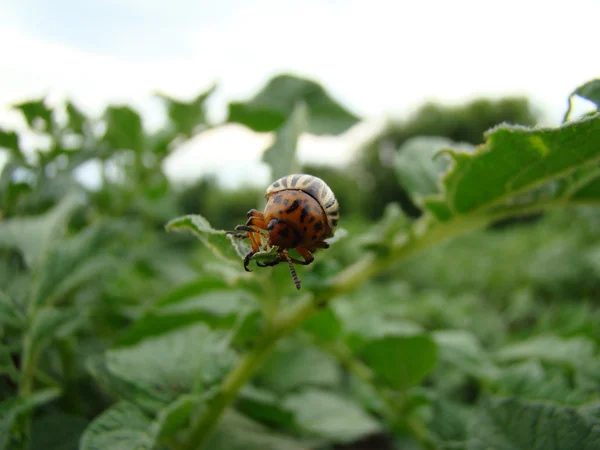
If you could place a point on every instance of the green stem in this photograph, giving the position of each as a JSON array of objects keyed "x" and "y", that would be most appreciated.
[
  {"x": 348, "y": 279},
  {"x": 247, "y": 366}
]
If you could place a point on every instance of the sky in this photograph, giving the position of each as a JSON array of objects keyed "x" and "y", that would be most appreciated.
[{"x": 378, "y": 58}]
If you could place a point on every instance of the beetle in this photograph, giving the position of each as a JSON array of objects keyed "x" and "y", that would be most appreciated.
[{"x": 301, "y": 213}]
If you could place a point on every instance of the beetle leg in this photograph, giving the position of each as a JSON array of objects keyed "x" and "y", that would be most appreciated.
[
  {"x": 251, "y": 229},
  {"x": 285, "y": 257},
  {"x": 305, "y": 253},
  {"x": 256, "y": 219},
  {"x": 320, "y": 244}
]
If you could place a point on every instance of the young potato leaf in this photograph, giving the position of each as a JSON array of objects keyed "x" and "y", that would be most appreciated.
[
  {"x": 514, "y": 424},
  {"x": 57, "y": 432},
  {"x": 188, "y": 117},
  {"x": 10, "y": 313},
  {"x": 121, "y": 427},
  {"x": 513, "y": 161},
  {"x": 51, "y": 323},
  {"x": 325, "y": 325},
  {"x": 331, "y": 416},
  {"x": 238, "y": 432},
  {"x": 125, "y": 390},
  {"x": 12, "y": 408},
  {"x": 589, "y": 91},
  {"x": 124, "y": 129},
  {"x": 461, "y": 349},
  {"x": 420, "y": 165},
  {"x": 574, "y": 353},
  {"x": 35, "y": 235},
  {"x": 292, "y": 366},
  {"x": 173, "y": 363},
  {"x": 265, "y": 406},
  {"x": 7, "y": 365},
  {"x": 75, "y": 261},
  {"x": 37, "y": 114},
  {"x": 10, "y": 140},
  {"x": 281, "y": 156},
  {"x": 175, "y": 416},
  {"x": 274, "y": 104},
  {"x": 215, "y": 240},
  {"x": 401, "y": 361}
]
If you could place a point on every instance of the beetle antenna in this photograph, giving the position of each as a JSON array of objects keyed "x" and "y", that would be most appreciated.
[{"x": 292, "y": 271}]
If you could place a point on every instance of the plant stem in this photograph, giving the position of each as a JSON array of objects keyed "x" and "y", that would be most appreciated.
[{"x": 246, "y": 367}]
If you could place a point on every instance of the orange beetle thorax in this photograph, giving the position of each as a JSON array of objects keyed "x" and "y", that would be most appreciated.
[{"x": 295, "y": 218}]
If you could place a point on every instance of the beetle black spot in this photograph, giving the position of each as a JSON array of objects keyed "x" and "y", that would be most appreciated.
[
  {"x": 298, "y": 238},
  {"x": 319, "y": 226},
  {"x": 284, "y": 233},
  {"x": 284, "y": 182},
  {"x": 311, "y": 220},
  {"x": 293, "y": 207},
  {"x": 304, "y": 213},
  {"x": 277, "y": 199},
  {"x": 305, "y": 229},
  {"x": 334, "y": 222},
  {"x": 276, "y": 185},
  {"x": 332, "y": 213},
  {"x": 314, "y": 238}
]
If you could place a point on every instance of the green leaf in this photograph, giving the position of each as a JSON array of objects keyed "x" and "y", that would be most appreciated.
[
  {"x": 281, "y": 156},
  {"x": 237, "y": 432},
  {"x": 57, "y": 432},
  {"x": 274, "y": 104},
  {"x": 123, "y": 129},
  {"x": 121, "y": 427},
  {"x": 77, "y": 120},
  {"x": 37, "y": 114},
  {"x": 204, "y": 300},
  {"x": 174, "y": 363},
  {"x": 188, "y": 117},
  {"x": 325, "y": 325},
  {"x": 529, "y": 380},
  {"x": 7, "y": 365},
  {"x": 331, "y": 416},
  {"x": 35, "y": 235},
  {"x": 574, "y": 353},
  {"x": 10, "y": 141},
  {"x": 462, "y": 350},
  {"x": 149, "y": 401},
  {"x": 589, "y": 91},
  {"x": 386, "y": 232},
  {"x": 75, "y": 261},
  {"x": 292, "y": 366},
  {"x": 10, "y": 314},
  {"x": 420, "y": 165},
  {"x": 402, "y": 361},
  {"x": 175, "y": 416},
  {"x": 514, "y": 424},
  {"x": 264, "y": 406},
  {"x": 514, "y": 161},
  {"x": 215, "y": 240},
  {"x": 51, "y": 323},
  {"x": 14, "y": 407}
]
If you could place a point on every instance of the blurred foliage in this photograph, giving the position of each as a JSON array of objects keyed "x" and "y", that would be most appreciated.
[
  {"x": 463, "y": 123},
  {"x": 116, "y": 334}
]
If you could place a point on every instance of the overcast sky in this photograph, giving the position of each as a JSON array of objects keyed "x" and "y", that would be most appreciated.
[{"x": 377, "y": 57}]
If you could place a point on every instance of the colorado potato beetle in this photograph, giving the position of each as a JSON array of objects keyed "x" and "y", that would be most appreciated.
[{"x": 301, "y": 213}]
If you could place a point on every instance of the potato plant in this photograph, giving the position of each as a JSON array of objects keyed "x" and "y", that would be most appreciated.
[{"x": 128, "y": 326}]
